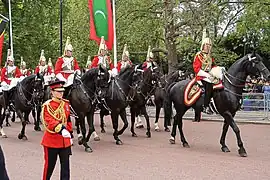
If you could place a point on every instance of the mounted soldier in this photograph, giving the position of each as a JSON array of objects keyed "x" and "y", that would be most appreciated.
[
  {"x": 203, "y": 63},
  {"x": 125, "y": 62},
  {"x": 44, "y": 69},
  {"x": 149, "y": 60},
  {"x": 103, "y": 59},
  {"x": 66, "y": 66},
  {"x": 50, "y": 64},
  {"x": 25, "y": 72},
  {"x": 10, "y": 76}
]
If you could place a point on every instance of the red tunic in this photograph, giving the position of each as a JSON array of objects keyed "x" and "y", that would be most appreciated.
[
  {"x": 51, "y": 138},
  {"x": 109, "y": 63},
  {"x": 201, "y": 63},
  {"x": 119, "y": 65},
  {"x": 60, "y": 69},
  {"x": 48, "y": 70},
  {"x": 7, "y": 76},
  {"x": 26, "y": 72}
]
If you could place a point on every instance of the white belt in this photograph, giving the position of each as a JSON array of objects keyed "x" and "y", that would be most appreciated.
[{"x": 68, "y": 71}]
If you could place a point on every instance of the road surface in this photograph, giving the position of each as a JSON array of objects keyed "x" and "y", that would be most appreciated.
[{"x": 148, "y": 158}]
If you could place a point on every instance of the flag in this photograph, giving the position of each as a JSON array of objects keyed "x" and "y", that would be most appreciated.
[
  {"x": 2, "y": 31},
  {"x": 101, "y": 21}
]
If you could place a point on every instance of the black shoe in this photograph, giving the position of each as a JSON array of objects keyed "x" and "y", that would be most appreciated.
[{"x": 207, "y": 110}]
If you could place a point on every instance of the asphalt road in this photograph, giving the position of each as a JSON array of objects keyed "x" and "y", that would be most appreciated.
[{"x": 148, "y": 158}]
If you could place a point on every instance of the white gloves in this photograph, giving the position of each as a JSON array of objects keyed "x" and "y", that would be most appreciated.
[
  {"x": 78, "y": 72},
  {"x": 203, "y": 73},
  {"x": 65, "y": 133},
  {"x": 60, "y": 77},
  {"x": 3, "y": 83},
  {"x": 113, "y": 72}
]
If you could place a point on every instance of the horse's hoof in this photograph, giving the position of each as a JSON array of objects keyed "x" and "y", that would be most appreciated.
[
  {"x": 119, "y": 142},
  {"x": 28, "y": 122},
  {"x": 4, "y": 136},
  {"x": 20, "y": 136},
  {"x": 134, "y": 135},
  {"x": 7, "y": 124},
  {"x": 97, "y": 138},
  {"x": 88, "y": 150},
  {"x": 225, "y": 149},
  {"x": 24, "y": 138},
  {"x": 37, "y": 128},
  {"x": 13, "y": 120},
  {"x": 80, "y": 140},
  {"x": 148, "y": 134},
  {"x": 140, "y": 126},
  {"x": 242, "y": 152},
  {"x": 157, "y": 129},
  {"x": 167, "y": 129},
  {"x": 103, "y": 131},
  {"x": 172, "y": 140},
  {"x": 185, "y": 145}
]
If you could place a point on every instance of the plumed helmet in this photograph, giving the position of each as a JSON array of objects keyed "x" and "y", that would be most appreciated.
[
  {"x": 149, "y": 53},
  {"x": 88, "y": 63},
  {"x": 23, "y": 63},
  {"x": 42, "y": 57},
  {"x": 68, "y": 46},
  {"x": 50, "y": 62},
  {"x": 9, "y": 56},
  {"x": 205, "y": 39},
  {"x": 102, "y": 45},
  {"x": 125, "y": 52}
]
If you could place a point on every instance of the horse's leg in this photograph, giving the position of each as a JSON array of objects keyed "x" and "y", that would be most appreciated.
[
  {"x": 224, "y": 147},
  {"x": 7, "y": 123},
  {"x": 180, "y": 128},
  {"x": 123, "y": 116},
  {"x": 139, "y": 123},
  {"x": 7, "y": 115},
  {"x": 229, "y": 118},
  {"x": 115, "y": 116},
  {"x": 197, "y": 115},
  {"x": 90, "y": 121},
  {"x": 102, "y": 122},
  {"x": 13, "y": 117},
  {"x": 133, "y": 116},
  {"x": 173, "y": 133},
  {"x": 22, "y": 133},
  {"x": 144, "y": 112},
  {"x": 2, "y": 133},
  {"x": 158, "y": 107}
]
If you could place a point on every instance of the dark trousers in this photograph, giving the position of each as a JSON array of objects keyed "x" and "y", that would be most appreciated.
[
  {"x": 208, "y": 93},
  {"x": 50, "y": 157},
  {"x": 3, "y": 171}
]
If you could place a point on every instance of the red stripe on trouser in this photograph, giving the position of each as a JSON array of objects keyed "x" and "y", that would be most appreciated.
[{"x": 45, "y": 163}]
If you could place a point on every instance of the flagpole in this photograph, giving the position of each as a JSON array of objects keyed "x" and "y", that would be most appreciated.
[
  {"x": 10, "y": 28},
  {"x": 61, "y": 26},
  {"x": 114, "y": 36}
]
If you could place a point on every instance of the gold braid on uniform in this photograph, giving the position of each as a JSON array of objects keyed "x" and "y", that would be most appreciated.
[{"x": 58, "y": 114}]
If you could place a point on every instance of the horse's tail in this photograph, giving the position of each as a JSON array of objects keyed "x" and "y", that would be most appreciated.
[{"x": 168, "y": 105}]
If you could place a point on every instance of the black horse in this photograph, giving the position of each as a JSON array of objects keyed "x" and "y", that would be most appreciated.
[
  {"x": 160, "y": 93},
  {"x": 146, "y": 84},
  {"x": 227, "y": 101},
  {"x": 24, "y": 97},
  {"x": 117, "y": 98},
  {"x": 83, "y": 98}
]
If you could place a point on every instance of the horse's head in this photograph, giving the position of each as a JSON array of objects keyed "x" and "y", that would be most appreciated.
[
  {"x": 103, "y": 77},
  {"x": 38, "y": 85},
  {"x": 256, "y": 67}
]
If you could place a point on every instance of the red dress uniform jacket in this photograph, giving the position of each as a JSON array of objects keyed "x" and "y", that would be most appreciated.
[
  {"x": 119, "y": 65},
  {"x": 48, "y": 70},
  {"x": 203, "y": 63},
  {"x": 109, "y": 63},
  {"x": 55, "y": 114},
  {"x": 25, "y": 72},
  {"x": 7, "y": 76},
  {"x": 59, "y": 68}
]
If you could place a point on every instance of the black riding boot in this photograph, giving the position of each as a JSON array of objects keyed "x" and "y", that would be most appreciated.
[{"x": 208, "y": 90}]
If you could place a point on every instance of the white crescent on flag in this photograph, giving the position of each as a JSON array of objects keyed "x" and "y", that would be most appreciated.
[{"x": 100, "y": 12}]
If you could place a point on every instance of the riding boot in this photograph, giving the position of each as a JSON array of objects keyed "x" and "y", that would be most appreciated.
[{"x": 207, "y": 97}]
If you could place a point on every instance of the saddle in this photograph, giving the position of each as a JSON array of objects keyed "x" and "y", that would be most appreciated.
[{"x": 192, "y": 92}]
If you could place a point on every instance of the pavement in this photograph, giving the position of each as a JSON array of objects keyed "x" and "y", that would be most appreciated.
[
  {"x": 251, "y": 117},
  {"x": 143, "y": 158}
]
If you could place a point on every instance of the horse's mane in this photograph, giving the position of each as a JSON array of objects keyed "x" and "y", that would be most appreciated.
[
  {"x": 90, "y": 74},
  {"x": 125, "y": 70},
  {"x": 28, "y": 79}
]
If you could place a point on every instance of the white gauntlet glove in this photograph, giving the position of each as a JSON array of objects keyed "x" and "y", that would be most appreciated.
[
  {"x": 65, "y": 133},
  {"x": 203, "y": 73}
]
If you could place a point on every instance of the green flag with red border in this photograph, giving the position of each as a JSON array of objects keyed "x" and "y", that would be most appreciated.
[{"x": 101, "y": 21}]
